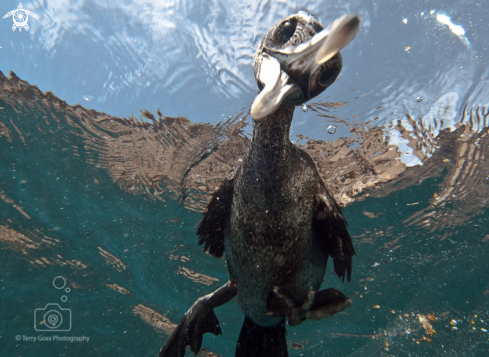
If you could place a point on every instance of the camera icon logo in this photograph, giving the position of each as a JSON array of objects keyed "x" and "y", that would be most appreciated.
[{"x": 52, "y": 318}]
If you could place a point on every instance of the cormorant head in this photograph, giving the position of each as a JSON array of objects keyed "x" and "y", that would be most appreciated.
[{"x": 298, "y": 59}]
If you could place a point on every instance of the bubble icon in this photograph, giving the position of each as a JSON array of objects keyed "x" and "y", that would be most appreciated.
[{"x": 59, "y": 282}]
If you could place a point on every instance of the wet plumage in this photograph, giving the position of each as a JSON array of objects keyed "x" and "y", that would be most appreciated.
[{"x": 274, "y": 219}]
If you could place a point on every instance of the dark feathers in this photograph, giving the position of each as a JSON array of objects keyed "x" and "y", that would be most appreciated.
[
  {"x": 330, "y": 229},
  {"x": 212, "y": 228}
]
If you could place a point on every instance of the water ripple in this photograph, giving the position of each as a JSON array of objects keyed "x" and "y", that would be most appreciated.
[{"x": 173, "y": 47}]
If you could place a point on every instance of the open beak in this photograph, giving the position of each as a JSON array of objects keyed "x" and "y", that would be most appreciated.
[{"x": 281, "y": 69}]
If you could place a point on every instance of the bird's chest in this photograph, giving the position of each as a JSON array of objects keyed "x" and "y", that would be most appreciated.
[
  {"x": 264, "y": 220},
  {"x": 270, "y": 227}
]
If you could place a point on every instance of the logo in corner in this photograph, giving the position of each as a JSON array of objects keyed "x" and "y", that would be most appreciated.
[{"x": 20, "y": 16}]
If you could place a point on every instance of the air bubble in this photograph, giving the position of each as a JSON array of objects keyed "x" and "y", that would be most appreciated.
[
  {"x": 304, "y": 108},
  {"x": 419, "y": 99},
  {"x": 331, "y": 129}
]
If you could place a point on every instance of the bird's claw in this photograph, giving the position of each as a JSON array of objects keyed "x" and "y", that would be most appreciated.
[{"x": 298, "y": 303}]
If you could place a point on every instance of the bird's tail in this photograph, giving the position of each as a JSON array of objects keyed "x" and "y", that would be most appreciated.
[{"x": 259, "y": 341}]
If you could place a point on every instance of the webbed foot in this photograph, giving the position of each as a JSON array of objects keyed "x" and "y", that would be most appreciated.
[
  {"x": 199, "y": 319},
  {"x": 298, "y": 303}
]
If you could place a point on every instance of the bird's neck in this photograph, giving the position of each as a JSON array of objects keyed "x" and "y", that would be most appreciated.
[{"x": 270, "y": 143}]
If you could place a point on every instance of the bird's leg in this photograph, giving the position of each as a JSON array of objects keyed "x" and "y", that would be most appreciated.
[
  {"x": 199, "y": 319},
  {"x": 298, "y": 303}
]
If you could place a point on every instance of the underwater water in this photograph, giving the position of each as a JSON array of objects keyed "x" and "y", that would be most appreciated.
[{"x": 100, "y": 201}]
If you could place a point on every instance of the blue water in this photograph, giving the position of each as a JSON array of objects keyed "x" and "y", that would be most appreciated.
[
  {"x": 71, "y": 209},
  {"x": 62, "y": 213}
]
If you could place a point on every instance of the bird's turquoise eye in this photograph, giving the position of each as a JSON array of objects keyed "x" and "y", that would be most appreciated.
[{"x": 288, "y": 30}]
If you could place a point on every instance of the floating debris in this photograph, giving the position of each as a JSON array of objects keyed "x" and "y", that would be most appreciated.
[
  {"x": 370, "y": 214},
  {"x": 297, "y": 346},
  {"x": 331, "y": 129},
  {"x": 426, "y": 325},
  {"x": 443, "y": 314},
  {"x": 407, "y": 49},
  {"x": 424, "y": 338},
  {"x": 431, "y": 317},
  {"x": 376, "y": 306}
]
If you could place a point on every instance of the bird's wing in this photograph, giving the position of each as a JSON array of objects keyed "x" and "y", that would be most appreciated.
[
  {"x": 9, "y": 14},
  {"x": 330, "y": 230},
  {"x": 212, "y": 228}
]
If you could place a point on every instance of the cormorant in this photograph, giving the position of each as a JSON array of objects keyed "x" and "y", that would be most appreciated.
[{"x": 275, "y": 218}]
